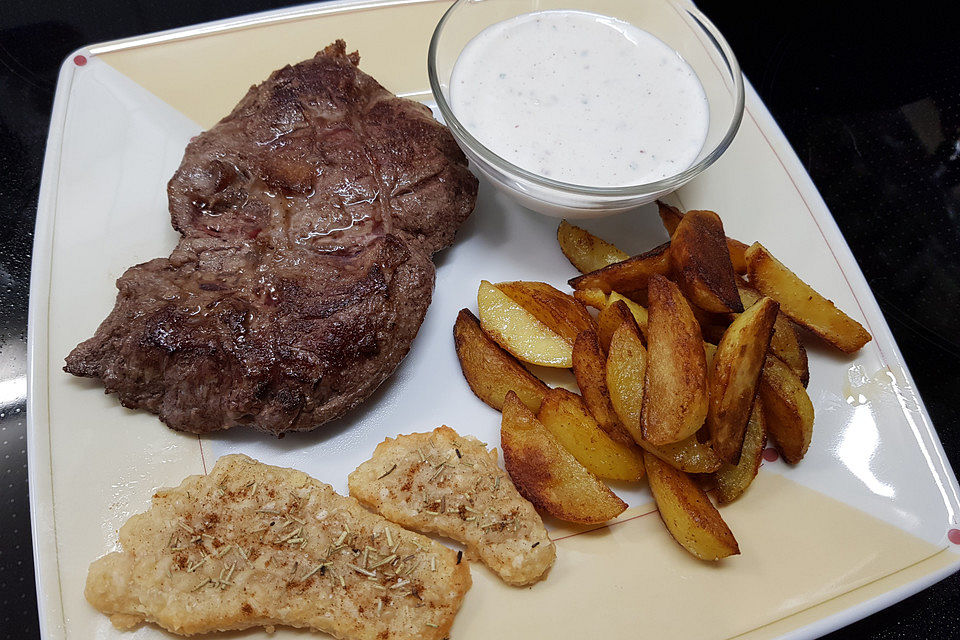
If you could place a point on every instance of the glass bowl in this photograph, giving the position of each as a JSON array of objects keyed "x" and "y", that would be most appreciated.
[{"x": 675, "y": 22}]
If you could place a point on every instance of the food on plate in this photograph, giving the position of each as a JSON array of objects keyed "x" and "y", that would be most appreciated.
[
  {"x": 656, "y": 398},
  {"x": 609, "y": 320},
  {"x": 630, "y": 276},
  {"x": 560, "y": 312},
  {"x": 548, "y": 475},
  {"x": 732, "y": 378},
  {"x": 252, "y": 545},
  {"x": 524, "y": 91},
  {"x": 565, "y": 415},
  {"x": 519, "y": 331},
  {"x": 675, "y": 388},
  {"x": 801, "y": 303},
  {"x": 787, "y": 410},
  {"x": 626, "y": 372},
  {"x": 584, "y": 250},
  {"x": 733, "y": 479},
  {"x": 701, "y": 263},
  {"x": 671, "y": 217},
  {"x": 690, "y": 517},
  {"x": 489, "y": 369},
  {"x": 307, "y": 219},
  {"x": 445, "y": 483},
  {"x": 784, "y": 343},
  {"x": 590, "y": 370}
]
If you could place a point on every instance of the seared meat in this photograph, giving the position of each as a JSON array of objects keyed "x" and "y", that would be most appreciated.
[{"x": 308, "y": 217}]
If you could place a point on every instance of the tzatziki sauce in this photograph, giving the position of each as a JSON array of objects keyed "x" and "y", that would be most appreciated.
[{"x": 580, "y": 98}]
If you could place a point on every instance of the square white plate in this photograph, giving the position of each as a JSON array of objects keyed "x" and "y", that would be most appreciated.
[{"x": 862, "y": 522}]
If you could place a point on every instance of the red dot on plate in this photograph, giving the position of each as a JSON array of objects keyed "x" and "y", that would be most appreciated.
[
  {"x": 954, "y": 536},
  {"x": 770, "y": 454},
  {"x": 80, "y": 60}
]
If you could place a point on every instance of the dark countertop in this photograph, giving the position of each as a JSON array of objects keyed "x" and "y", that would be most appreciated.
[{"x": 869, "y": 97}]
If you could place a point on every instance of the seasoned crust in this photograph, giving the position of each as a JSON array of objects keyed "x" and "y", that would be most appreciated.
[
  {"x": 445, "y": 483},
  {"x": 251, "y": 545}
]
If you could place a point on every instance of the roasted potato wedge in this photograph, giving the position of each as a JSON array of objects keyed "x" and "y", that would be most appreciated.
[
  {"x": 566, "y": 416},
  {"x": 801, "y": 303},
  {"x": 626, "y": 370},
  {"x": 490, "y": 370},
  {"x": 590, "y": 369},
  {"x": 519, "y": 332},
  {"x": 675, "y": 389},
  {"x": 561, "y": 312},
  {"x": 690, "y": 517},
  {"x": 784, "y": 343},
  {"x": 732, "y": 380},
  {"x": 733, "y": 479},
  {"x": 595, "y": 298},
  {"x": 701, "y": 263},
  {"x": 787, "y": 409},
  {"x": 548, "y": 475},
  {"x": 609, "y": 319},
  {"x": 629, "y": 277},
  {"x": 689, "y": 456},
  {"x": 671, "y": 217},
  {"x": 639, "y": 313},
  {"x": 584, "y": 250}
]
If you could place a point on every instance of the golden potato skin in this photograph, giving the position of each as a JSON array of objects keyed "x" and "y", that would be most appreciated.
[
  {"x": 801, "y": 302},
  {"x": 590, "y": 370},
  {"x": 585, "y": 251},
  {"x": 733, "y": 376},
  {"x": 549, "y": 476},
  {"x": 489, "y": 369},
  {"x": 566, "y": 416},
  {"x": 629, "y": 277},
  {"x": 787, "y": 409},
  {"x": 701, "y": 263},
  {"x": 733, "y": 479},
  {"x": 561, "y": 312},
  {"x": 675, "y": 388},
  {"x": 784, "y": 343},
  {"x": 519, "y": 331},
  {"x": 687, "y": 512},
  {"x": 671, "y": 217}
]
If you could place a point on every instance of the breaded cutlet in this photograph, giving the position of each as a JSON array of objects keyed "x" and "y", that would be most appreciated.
[
  {"x": 445, "y": 483},
  {"x": 252, "y": 545}
]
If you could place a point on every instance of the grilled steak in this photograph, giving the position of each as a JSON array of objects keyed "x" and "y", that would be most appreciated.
[{"x": 307, "y": 218}]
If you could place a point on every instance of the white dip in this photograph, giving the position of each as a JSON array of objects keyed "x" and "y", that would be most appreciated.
[{"x": 580, "y": 98}]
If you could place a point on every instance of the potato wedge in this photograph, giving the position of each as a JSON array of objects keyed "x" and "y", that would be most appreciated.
[
  {"x": 732, "y": 380},
  {"x": 489, "y": 369},
  {"x": 671, "y": 217},
  {"x": 586, "y": 251},
  {"x": 561, "y": 312},
  {"x": 690, "y": 517},
  {"x": 689, "y": 456},
  {"x": 629, "y": 277},
  {"x": 787, "y": 409},
  {"x": 784, "y": 343},
  {"x": 549, "y": 476},
  {"x": 701, "y": 263},
  {"x": 519, "y": 332},
  {"x": 639, "y": 313},
  {"x": 626, "y": 370},
  {"x": 566, "y": 416},
  {"x": 609, "y": 319},
  {"x": 595, "y": 298},
  {"x": 590, "y": 369},
  {"x": 675, "y": 389},
  {"x": 801, "y": 303},
  {"x": 733, "y": 479}
]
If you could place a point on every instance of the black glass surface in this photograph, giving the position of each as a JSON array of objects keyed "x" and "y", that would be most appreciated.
[{"x": 867, "y": 93}]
